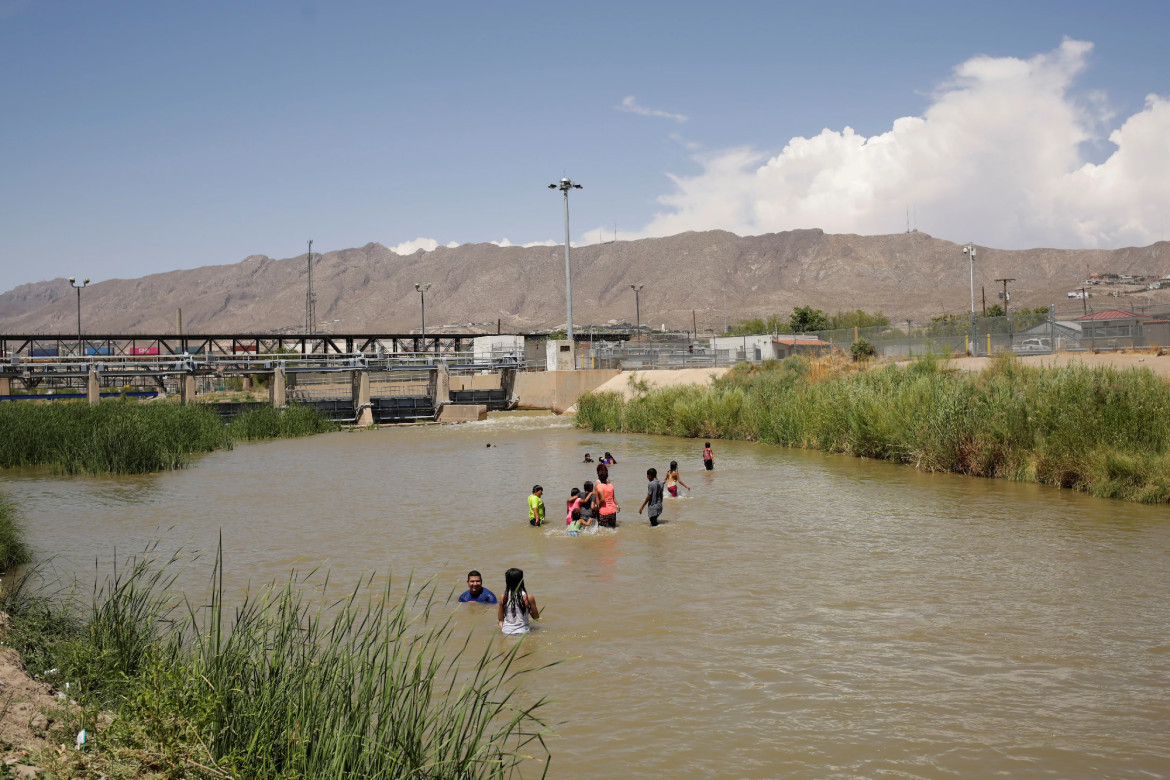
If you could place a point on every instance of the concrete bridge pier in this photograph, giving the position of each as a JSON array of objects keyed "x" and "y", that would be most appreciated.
[
  {"x": 187, "y": 388},
  {"x": 508, "y": 383},
  {"x": 363, "y": 410},
  {"x": 276, "y": 387},
  {"x": 93, "y": 388},
  {"x": 442, "y": 392}
]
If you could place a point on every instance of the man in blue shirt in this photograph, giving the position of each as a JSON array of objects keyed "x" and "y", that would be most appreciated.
[{"x": 476, "y": 591}]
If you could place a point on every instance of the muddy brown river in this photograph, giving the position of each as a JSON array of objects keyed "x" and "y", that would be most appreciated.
[{"x": 797, "y": 615}]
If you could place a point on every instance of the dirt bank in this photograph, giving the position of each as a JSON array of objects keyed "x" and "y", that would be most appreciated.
[
  {"x": 1160, "y": 365},
  {"x": 657, "y": 378},
  {"x": 26, "y": 717}
]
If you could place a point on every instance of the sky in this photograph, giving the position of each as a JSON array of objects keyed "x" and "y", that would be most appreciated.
[{"x": 143, "y": 136}]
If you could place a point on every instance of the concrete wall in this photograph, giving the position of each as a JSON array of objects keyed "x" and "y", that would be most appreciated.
[
  {"x": 558, "y": 390},
  {"x": 475, "y": 381},
  {"x": 454, "y": 413},
  {"x": 489, "y": 347}
]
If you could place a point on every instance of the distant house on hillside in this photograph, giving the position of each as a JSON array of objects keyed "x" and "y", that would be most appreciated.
[{"x": 1111, "y": 329}]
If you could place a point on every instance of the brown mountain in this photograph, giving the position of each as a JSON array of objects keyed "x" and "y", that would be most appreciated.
[{"x": 371, "y": 289}]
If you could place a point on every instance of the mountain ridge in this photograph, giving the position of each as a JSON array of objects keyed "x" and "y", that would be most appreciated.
[{"x": 371, "y": 289}]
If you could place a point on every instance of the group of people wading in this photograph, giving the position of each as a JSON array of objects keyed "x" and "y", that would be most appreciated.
[{"x": 595, "y": 505}]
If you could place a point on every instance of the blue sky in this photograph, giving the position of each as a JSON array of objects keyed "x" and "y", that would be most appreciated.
[{"x": 143, "y": 136}]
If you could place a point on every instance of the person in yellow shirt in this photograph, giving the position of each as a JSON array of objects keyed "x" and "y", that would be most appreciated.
[{"x": 536, "y": 506}]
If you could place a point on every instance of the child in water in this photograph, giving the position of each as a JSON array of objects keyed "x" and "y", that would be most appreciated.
[
  {"x": 708, "y": 458},
  {"x": 673, "y": 480},
  {"x": 573, "y": 504},
  {"x": 607, "y": 459},
  {"x": 574, "y": 527},
  {"x": 536, "y": 506}
]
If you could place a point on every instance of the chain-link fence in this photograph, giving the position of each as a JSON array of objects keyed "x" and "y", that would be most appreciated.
[{"x": 1078, "y": 327}]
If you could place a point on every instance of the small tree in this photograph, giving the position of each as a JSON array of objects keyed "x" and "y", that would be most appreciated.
[
  {"x": 806, "y": 319},
  {"x": 862, "y": 350}
]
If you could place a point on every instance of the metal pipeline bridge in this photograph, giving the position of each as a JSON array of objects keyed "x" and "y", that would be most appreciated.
[{"x": 362, "y": 379}]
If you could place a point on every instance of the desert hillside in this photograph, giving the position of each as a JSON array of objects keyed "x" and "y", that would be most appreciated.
[{"x": 371, "y": 289}]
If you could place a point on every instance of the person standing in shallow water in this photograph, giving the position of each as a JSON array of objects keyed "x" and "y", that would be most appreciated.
[
  {"x": 653, "y": 497},
  {"x": 673, "y": 480},
  {"x": 536, "y": 506},
  {"x": 517, "y": 605},
  {"x": 708, "y": 458},
  {"x": 607, "y": 505}
]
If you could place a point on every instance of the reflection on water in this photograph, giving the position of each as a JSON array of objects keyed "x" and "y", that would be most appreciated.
[{"x": 796, "y": 615}]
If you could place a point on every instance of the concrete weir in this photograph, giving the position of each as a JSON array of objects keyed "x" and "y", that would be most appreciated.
[{"x": 354, "y": 388}]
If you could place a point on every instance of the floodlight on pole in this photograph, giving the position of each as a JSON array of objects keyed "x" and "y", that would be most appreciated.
[
  {"x": 969, "y": 250},
  {"x": 73, "y": 283},
  {"x": 422, "y": 293},
  {"x": 637, "y": 288},
  {"x": 564, "y": 186}
]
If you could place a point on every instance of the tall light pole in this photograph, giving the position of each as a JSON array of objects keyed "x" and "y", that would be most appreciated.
[
  {"x": 637, "y": 288},
  {"x": 73, "y": 283},
  {"x": 422, "y": 294},
  {"x": 310, "y": 297},
  {"x": 969, "y": 250},
  {"x": 564, "y": 187},
  {"x": 725, "y": 310}
]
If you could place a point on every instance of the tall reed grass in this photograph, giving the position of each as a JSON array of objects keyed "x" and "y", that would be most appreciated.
[
  {"x": 125, "y": 437},
  {"x": 268, "y": 422},
  {"x": 282, "y": 684},
  {"x": 13, "y": 550},
  {"x": 1100, "y": 430}
]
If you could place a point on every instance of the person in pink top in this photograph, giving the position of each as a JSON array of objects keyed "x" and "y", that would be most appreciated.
[
  {"x": 607, "y": 505},
  {"x": 574, "y": 502}
]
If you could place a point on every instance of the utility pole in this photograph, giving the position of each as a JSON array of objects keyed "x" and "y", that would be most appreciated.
[
  {"x": 969, "y": 250},
  {"x": 1007, "y": 311},
  {"x": 725, "y": 310},
  {"x": 1085, "y": 300},
  {"x": 78, "y": 286},
  {"x": 983, "y": 289},
  {"x": 310, "y": 297},
  {"x": 564, "y": 186},
  {"x": 637, "y": 288},
  {"x": 909, "y": 344}
]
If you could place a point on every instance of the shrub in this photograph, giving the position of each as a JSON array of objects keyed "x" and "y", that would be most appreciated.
[{"x": 862, "y": 349}]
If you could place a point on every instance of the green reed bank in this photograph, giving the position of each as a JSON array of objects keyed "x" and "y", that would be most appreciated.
[{"x": 1098, "y": 430}]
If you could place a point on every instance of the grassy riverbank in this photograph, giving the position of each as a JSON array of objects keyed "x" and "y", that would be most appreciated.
[
  {"x": 123, "y": 437},
  {"x": 283, "y": 684},
  {"x": 13, "y": 551},
  {"x": 1103, "y": 431}
]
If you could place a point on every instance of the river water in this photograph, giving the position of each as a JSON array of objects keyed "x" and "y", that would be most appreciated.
[{"x": 797, "y": 615}]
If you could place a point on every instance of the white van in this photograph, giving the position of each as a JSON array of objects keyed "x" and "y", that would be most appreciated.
[{"x": 1033, "y": 345}]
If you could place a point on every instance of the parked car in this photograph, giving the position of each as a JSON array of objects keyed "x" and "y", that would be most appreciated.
[{"x": 1033, "y": 345}]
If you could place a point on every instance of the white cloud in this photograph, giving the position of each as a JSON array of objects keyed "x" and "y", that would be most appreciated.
[
  {"x": 630, "y": 105},
  {"x": 410, "y": 247},
  {"x": 425, "y": 244},
  {"x": 996, "y": 158},
  {"x": 505, "y": 242}
]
